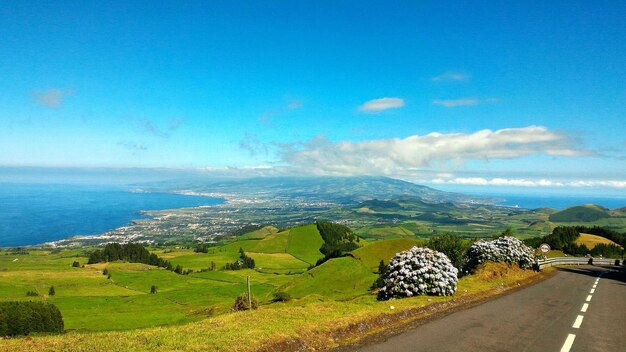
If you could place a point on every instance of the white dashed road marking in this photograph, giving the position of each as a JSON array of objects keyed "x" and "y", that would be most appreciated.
[
  {"x": 579, "y": 320},
  {"x": 568, "y": 343}
]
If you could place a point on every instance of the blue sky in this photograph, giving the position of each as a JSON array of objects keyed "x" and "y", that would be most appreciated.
[{"x": 529, "y": 95}]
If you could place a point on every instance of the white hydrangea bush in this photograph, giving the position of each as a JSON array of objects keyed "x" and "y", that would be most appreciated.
[
  {"x": 419, "y": 271},
  {"x": 504, "y": 249}
]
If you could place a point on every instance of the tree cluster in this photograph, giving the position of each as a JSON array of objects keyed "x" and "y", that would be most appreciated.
[
  {"x": 564, "y": 238},
  {"x": 133, "y": 253},
  {"x": 338, "y": 239},
  {"x": 244, "y": 262},
  {"x": 201, "y": 248},
  {"x": 26, "y": 317}
]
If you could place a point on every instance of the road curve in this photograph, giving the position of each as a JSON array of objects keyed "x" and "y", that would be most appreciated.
[{"x": 581, "y": 308}]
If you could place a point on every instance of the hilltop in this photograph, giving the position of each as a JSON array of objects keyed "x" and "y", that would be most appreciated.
[
  {"x": 582, "y": 213},
  {"x": 342, "y": 190}
]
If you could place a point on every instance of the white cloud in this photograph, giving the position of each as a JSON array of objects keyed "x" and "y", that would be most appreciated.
[
  {"x": 523, "y": 182},
  {"x": 378, "y": 105},
  {"x": 396, "y": 157},
  {"x": 52, "y": 98},
  {"x": 451, "y": 76},
  {"x": 452, "y": 103}
]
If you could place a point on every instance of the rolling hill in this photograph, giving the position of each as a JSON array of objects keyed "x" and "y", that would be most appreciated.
[{"x": 581, "y": 213}]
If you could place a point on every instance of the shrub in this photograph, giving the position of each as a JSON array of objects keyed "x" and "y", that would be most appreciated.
[
  {"x": 380, "y": 281},
  {"x": 23, "y": 318},
  {"x": 281, "y": 297},
  {"x": 76, "y": 264},
  {"x": 241, "y": 303},
  {"x": 105, "y": 272},
  {"x": 453, "y": 246},
  {"x": 51, "y": 291},
  {"x": 178, "y": 270},
  {"x": 504, "y": 249},
  {"x": 153, "y": 289},
  {"x": 244, "y": 262},
  {"x": 419, "y": 271},
  {"x": 32, "y": 293}
]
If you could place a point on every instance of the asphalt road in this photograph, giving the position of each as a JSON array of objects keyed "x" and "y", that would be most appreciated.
[{"x": 548, "y": 316}]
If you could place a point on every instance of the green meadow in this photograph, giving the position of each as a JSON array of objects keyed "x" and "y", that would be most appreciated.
[
  {"x": 90, "y": 301},
  {"x": 120, "y": 313}
]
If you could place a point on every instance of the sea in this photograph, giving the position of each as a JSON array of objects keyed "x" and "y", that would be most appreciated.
[
  {"x": 37, "y": 213},
  {"x": 559, "y": 202}
]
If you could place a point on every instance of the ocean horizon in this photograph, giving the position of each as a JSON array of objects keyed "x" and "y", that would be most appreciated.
[{"x": 37, "y": 213}]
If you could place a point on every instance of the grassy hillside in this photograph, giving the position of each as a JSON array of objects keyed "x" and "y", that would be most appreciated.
[
  {"x": 90, "y": 301},
  {"x": 339, "y": 278},
  {"x": 272, "y": 243},
  {"x": 259, "y": 234},
  {"x": 304, "y": 243},
  {"x": 590, "y": 241},
  {"x": 585, "y": 213},
  {"x": 372, "y": 254},
  {"x": 313, "y": 322}
]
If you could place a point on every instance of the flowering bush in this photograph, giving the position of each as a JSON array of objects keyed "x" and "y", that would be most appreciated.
[
  {"x": 419, "y": 271},
  {"x": 505, "y": 249}
]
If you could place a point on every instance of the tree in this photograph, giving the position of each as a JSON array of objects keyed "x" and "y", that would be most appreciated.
[
  {"x": 51, "y": 291},
  {"x": 453, "y": 246},
  {"x": 382, "y": 268},
  {"x": 380, "y": 281},
  {"x": 26, "y": 317},
  {"x": 179, "y": 269}
]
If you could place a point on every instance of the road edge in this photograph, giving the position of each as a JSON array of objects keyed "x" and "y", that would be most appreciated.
[{"x": 414, "y": 317}]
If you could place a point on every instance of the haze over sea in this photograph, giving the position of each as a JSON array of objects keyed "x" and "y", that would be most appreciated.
[{"x": 37, "y": 213}]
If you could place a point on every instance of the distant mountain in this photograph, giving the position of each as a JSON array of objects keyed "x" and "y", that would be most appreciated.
[
  {"x": 581, "y": 213},
  {"x": 343, "y": 190}
]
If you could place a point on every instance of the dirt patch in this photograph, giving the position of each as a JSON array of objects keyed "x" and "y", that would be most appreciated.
[{"x": 379, "y": 328}]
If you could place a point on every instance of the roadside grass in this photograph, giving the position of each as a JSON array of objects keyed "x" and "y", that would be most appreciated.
[
  {"x": 555, "y": 253},
  {"x": 314, "y": 322}
]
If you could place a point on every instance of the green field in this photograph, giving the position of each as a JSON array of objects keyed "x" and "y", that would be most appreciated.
[{"x": 90, "y": 301}]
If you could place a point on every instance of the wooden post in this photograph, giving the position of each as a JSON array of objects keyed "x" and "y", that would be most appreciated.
[{"x": 249, "y": 296}]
